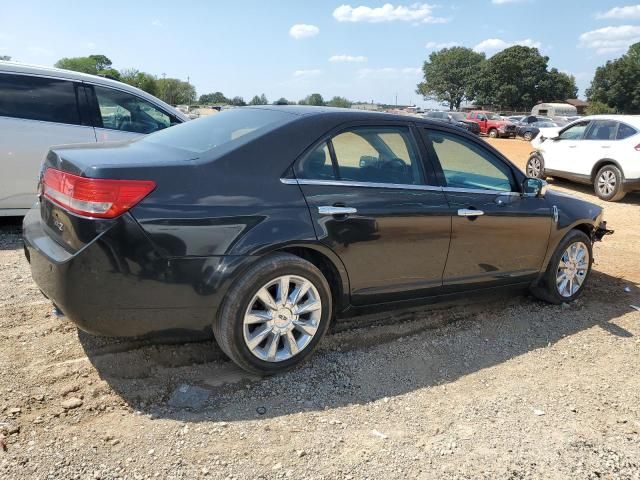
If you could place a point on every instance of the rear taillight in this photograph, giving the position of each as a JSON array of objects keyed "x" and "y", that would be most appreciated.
[
  {"x": 94, "y": 197},
  {"x": 637, "y": 148}
]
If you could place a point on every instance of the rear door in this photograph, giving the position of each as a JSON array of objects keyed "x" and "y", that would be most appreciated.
[
  {"x": 376, "y": 206},
  {"x": 120, "y": 115},
  {"x": 498, "y": 236},
  {"x": 35, "y": 114},
  {"x": 599, "y": 142}
]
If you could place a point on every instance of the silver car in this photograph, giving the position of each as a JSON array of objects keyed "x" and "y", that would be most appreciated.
[{"x": 41, "y": 107}]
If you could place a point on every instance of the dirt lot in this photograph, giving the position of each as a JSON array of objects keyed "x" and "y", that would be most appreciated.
[{"x": 508, "y": 388}]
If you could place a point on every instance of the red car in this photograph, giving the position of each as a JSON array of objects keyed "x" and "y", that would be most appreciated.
[{"x": 492, "y": 124}]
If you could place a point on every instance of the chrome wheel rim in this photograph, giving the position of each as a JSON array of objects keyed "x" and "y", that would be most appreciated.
[
  {"x": 607, "y": 182},
  {"x": 282, "y": 318},
  {"x": 572, "y": 269},
  {"x": 527, "y": 136},
  {"x": 534, "y": 166}
]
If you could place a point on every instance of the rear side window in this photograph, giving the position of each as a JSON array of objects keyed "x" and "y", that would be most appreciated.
[
  {"x": 625, "y": 131},
  {"x": 37, "y": 98},
  {"x": 602, "y": 130},
  {"x": 238, "y": 126},
  {"x": 317, "y": 165},
  {"x": 123, "y": 111}
]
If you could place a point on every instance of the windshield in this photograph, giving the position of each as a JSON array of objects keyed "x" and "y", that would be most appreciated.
[
  {"x": 458, "y": 116},
  {"x": 493, "y": 116},
  {"x": 236, "y": 125}
]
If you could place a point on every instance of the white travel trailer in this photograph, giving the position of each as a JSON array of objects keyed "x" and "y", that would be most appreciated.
[{"x": 554, "y": 110}]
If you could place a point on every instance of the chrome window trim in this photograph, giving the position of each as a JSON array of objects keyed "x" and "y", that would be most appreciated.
[{"x": 346, "y": 183}]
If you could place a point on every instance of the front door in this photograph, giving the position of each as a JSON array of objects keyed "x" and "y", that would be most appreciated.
[
  {"x": 370, "y": 203},
  {"x": 498, "y": 236},
  {"x": 563, "y": 153}
]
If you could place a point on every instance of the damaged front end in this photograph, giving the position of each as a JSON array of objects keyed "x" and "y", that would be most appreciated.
[{"x": 600, "y": 231}]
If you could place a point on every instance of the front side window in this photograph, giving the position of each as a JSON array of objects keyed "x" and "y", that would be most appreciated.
[
  {"x": 575, "y": 131},
  {"x": 625, "y": 131},
  {"x": 602, "y": 130},
  {"x": 377, "y": 155},
  {"x": 123, "y": 111},
  {"x": 36, "y": 98},
  {"x": 468, "y": 165}
]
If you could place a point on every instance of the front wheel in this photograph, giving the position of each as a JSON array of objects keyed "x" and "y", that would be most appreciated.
[
  {"x": 535, "y": 166},
  {"x": 568, "y": 269},
  {"x": 275, "y": 315},
  {"x": 608, "y": 184},
  {"x": 528, "y": 136},
  {"x": 493, "y": 133}
]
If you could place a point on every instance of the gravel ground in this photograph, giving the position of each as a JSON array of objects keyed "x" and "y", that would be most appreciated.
[{"x": 507, "y": 388}]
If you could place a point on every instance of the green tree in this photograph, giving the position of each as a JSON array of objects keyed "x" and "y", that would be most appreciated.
[
  {"x": 281, "y": 101},
  {"x": 617, "y": 83},
  {"x": 558, "y": 86},
  {"x": 341, "y": 102},
  {"x": 314, "y": 99},
  {"x": 599, "y": 108},
  {"x": 213, "y": 98},
  {"x": 303, "y": 101},
  {"x": 449, "y": 75},
  {"x": 143, "y": 81},
  {"x": 512, "y": 79},
  {"x": 238, "y": 102},
  {"x": 175, "y": 91},
  {"x": 5, "y": 58},
  {"x": 92, "y": 64}
]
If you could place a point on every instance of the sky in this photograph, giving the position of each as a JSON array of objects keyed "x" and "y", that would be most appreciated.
[{"x": 364, "y": 50}]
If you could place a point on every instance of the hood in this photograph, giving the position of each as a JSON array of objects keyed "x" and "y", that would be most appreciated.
[{"x": 544, "y": 134}]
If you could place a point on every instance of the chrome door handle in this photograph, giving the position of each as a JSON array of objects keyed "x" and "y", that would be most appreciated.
[
  {"x": 572, "y": 146},
  {"x": 326, "y": 210},
  {"x": 465, "y": 212}
]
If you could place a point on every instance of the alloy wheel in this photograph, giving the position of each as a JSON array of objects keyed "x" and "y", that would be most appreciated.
[
  {"x": 282, "y": 318},
  {"x": 534, "y": 167},
  {"x": 572, "y": 269},
  {"x": 607, "y": 183}
]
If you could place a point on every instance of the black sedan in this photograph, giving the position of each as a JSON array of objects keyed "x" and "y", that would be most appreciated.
[
  {"x": 458, "y": 119},
  {"x": 264, "y": 224},
  {"x": 530, "y": 131}
]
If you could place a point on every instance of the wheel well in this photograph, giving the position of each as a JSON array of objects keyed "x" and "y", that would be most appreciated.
[
  {"x": 323, "y": 264},
  {"x": 585, "y": 228},
  {"x": 599, "y": 165}
]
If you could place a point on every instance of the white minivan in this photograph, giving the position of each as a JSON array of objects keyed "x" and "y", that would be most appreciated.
[{"x": 41, "y": 107}]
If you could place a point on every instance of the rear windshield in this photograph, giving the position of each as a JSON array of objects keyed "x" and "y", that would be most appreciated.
[{"x": 238, "y": 125}]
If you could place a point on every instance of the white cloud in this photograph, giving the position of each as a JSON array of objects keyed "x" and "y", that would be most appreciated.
[
  {"x": 348, "y": 58},
  {"x": 440, "y": 46},
  {"x": 303, "y": 74},
  {"x": 389, "y": 72},
  {"x": 610, "y": 39},
  {"x": 493, "y": 45},
  {"x": 417, "y": 13},
  {"x": 90, "y": 45},
  {"x": 302, "y": 30},
  {"x": 628, "y": 12},
  {"x": 156, "y": 23}
]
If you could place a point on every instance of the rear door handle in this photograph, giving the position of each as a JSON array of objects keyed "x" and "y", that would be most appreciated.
[
  {"x": 572, "y": 146},
  {"x": 330, "y": 210},
  {"x": 465, "y": 212}
]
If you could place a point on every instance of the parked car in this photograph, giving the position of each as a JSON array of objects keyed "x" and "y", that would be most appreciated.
[
  {"x": 515, "y": 118},
  {"x": 527, "y": 119},
  {"x": 264, "y": 223},
  {"x": 529, "y": 130},
  {"x": 602, "y": 150},
  {"x": 456, "y": 118},
  {"x": 41, "y": 107},
  {"x": 492, "y": 124}
]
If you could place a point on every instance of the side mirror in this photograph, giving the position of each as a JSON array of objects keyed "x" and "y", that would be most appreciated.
[{"x": 534, "y": 187}]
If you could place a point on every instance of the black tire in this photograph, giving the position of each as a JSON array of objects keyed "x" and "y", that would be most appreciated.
[
  {"x": 535, "y": 166},
  {"x": 493, "y": 133},
  {"x": 528, "y": 136},
  {"x": 228, "y": 327},
  {"x": 608, "y": 184},
  {"x": 547, "y": 289}
]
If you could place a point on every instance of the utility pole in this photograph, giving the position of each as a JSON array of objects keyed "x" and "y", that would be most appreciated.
[{"x": 396, "y": 100}]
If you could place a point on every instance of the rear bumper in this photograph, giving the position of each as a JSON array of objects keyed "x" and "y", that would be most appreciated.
[{"x": 118, "y": 285}]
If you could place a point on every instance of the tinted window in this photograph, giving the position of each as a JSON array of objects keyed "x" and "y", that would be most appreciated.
[
  {"x": 377, "y": 155},
  {"x": 575, "y": 132},
  {"x": 126, "y": 112},
  {"x": 317, "y": 165},
  {"x": 467, "y": 165},
  {"x": 35, "y": 98},
  {"x": 237, "y": 125},
  {"x": 602, "y": 130},
  {"x": 625, "y": 131}
]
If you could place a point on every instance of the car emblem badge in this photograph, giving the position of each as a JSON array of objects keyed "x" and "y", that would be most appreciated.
[{"x": 58, "y": 224}]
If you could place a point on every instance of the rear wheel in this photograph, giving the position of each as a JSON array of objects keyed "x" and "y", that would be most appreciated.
[
  {"x": 535, "y": 166},
  {"x": 493, "y": 133},
  {"x": 568, "y": 269},
  {"x": 608, "y": 184},
  {"x": 275, "y": 315},
  {"x": 528, "y": 136}
]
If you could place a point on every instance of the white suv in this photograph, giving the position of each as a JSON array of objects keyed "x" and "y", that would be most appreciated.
[
  {"x": 41, "y": 107},
  {"x": 602, "y": 150}
]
